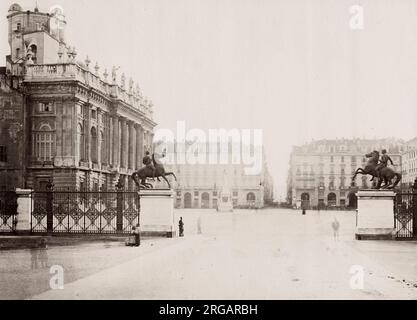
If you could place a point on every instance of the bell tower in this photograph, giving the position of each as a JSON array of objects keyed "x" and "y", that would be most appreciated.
[{"x": 34, "y": 36}]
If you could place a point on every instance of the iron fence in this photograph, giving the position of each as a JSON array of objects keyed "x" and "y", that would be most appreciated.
[
  {"x": 405, "y": 213},
  {"x": 8, "y": 211},
  {"x": 85, "y": 212}
]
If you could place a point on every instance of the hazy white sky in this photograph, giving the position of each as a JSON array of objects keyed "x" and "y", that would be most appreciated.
[{"x": 292, "y": 68}]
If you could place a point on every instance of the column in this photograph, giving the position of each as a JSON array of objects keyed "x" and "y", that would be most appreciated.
[
  {"x": 116, "y": 143},
  {"x": 145, "y": 140},
  {"x": 99, "y": 145},
  {"x": 139, "y": 146},
  {"x": 109, "y": 140},
  {"x": 151, "y": 136},
  {"x": 123, "y": 144},
  {"x": 87, "y": 132},
  {"x": 132, "y": 137}
]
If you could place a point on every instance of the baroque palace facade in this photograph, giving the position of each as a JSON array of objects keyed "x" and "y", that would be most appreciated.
[
  {"x": 62, "y": 122},
  {"x": 320, "y": 172}
]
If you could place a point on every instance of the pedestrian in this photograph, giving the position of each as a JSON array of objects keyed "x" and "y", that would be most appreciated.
[
  {"x": 43, "y": 253},
  {"x": 137, "y": 235},
  {"x": 199, "y": 225},
  {"x": 130, "y": 242},
  {"x": 335, "y": 226},
  {"x": 34, "y": 255},
  {"x": 181, "y": 227}
]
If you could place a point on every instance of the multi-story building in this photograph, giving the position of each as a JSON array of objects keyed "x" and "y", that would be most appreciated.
[
  {"x": 409, "y": 163},
  {"x": 62, "y": 120},
  {"x": 201, "y": 185},
  {"x": 321, "y": 171}
]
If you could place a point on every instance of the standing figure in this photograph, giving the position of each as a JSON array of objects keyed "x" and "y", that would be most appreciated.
[
  {"x": 199, "y": 225},
  {"x": 34, "y": 255},
  {"x": 335, "y": 226},
  {"x": 137, "y": 235},
  {"x": 383, "y": 162},
  {"x": 181, "y": 227},
  {"x": 148, "y": 162},
  {"x": 43, "y": 253}
]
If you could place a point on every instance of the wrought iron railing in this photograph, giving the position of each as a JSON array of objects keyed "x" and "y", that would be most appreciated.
[
  {"x": 405, "y": 213},
  {"x": 8, "y": 211},
  {"x": 85, "y": 212}
]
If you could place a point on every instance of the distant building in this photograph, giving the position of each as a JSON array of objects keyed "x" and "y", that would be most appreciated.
[
  {"x": 201, "y": 185},
  {"x": 320, "y": 172},
  {"x": 409, "y": 163},
  {"x": 62, "y": 120}
]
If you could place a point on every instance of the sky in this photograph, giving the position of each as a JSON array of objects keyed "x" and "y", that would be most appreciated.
[{"x": 293, "y": 68}]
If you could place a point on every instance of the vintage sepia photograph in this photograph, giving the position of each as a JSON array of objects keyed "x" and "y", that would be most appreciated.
[{"x": 208, "y": 150}]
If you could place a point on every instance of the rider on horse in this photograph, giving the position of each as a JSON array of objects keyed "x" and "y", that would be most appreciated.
[
  {"x": 383, "y": 162},
  {"x": 148, "y": 162}
]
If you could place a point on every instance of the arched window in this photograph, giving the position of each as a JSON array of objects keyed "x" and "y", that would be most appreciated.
[
  {"x": 331, "y": 199},
  {"x": 93, "y": 146},
  {"x": 305, "y": 200},
  {"x": 80, "y": 142},
  {"x": 34, "y": 49},
  {"x": 187, "y": 200},
  {"x": 205, "y": 200},
  {"x": 251, "y": 198},
  {"x": 44, "y": 143}
]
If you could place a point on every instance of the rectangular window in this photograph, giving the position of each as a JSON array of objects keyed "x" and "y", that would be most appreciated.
[
  {"x": 45, "y": 107},
  {"x": 3, "y": 154}
]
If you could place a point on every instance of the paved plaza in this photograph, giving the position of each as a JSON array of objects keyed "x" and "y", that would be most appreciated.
[{"x": 265, "y": 254}]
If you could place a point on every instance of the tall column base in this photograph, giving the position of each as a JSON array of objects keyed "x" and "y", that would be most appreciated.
[
  {"x": 24, "y": 210},
  {"x": 157, "y": 213},
  {"x": 375, "y": 220}
]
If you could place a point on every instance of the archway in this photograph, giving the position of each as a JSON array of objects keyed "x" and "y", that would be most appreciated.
[
  {"x": 34, "y": 50},
  {"x": 205, "y": 200},
  {"x": 187, "y": 200},
  {"x": 251, "y": 199},
  {"x": 353, "y": 201},
  {"x": 305, "y": 200},
  {"x": 331, "y": 200}
]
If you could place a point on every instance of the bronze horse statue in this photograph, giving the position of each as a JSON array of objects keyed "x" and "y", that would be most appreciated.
[
  {"x": 140, "y": 177},
  {"x": 386, "y": 173}
]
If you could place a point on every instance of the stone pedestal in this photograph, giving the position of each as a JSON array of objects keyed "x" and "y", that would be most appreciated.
[
  {"x": 24, "y": 210},
  {"x": 157, "y": 213},
  {"x": 375, "y": 219}
]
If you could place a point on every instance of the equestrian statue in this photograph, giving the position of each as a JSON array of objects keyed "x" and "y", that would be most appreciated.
[
  {"x": 152, "y": 169},
  {"x": 378, "y": 168}
]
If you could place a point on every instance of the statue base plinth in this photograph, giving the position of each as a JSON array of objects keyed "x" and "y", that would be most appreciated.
[
  {"x": 157, "y": 213},
  {"x": 375, "y": 216}
]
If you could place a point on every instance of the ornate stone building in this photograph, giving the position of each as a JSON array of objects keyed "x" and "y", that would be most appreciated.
[
  {"x": 320, "y": 172},
  {"x": 201, "y": 185},
  {"x": 64, "y": 120}
]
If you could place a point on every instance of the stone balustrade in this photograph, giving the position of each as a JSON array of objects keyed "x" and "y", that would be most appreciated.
[{"x": 72, "y": 71}]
